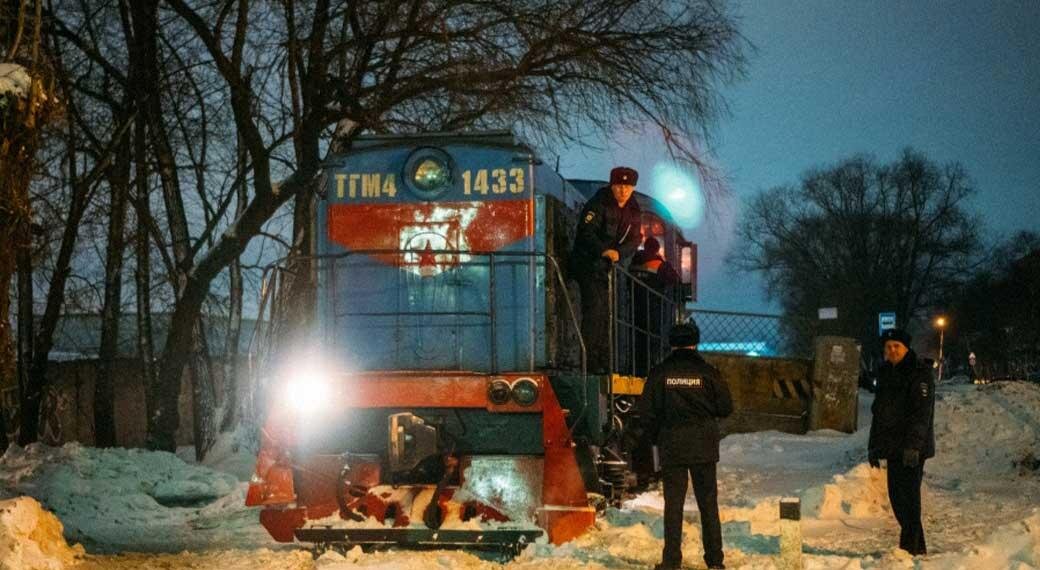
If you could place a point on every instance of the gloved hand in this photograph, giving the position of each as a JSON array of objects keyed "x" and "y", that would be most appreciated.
[
  {"x": 874, "y": 459},
  {"x": 911, "y": 457}
]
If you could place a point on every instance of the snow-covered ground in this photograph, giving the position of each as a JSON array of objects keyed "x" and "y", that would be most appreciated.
[{"x": 981, "y": 504}]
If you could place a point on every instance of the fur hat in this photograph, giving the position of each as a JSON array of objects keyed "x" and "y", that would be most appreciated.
[
  {"x": 897, "y": 335},
  {"x": 624, "y": 175},
  {"x": 684, "y": 334}
]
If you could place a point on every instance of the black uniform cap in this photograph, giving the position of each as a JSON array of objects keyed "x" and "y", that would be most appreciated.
[
  {"x": 897, "y": 335},
  {"x": 624, "y": 175},
  {"x": 684, "y": 334}
]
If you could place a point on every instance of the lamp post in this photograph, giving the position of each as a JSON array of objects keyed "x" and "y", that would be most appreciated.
[{"x": 940, "y": 323}]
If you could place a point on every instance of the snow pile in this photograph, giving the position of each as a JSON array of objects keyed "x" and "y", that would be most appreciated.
[
  {"x": 402, "y": 561},
  {"x": 233, "y": 453},
  {"x": 987, "y": 431},
  {"x": 1014, "y": 545},
  {"x": 31, "y": 538},
  {"x": 229, "y": 559},
  {"x": 860, "y": 493},
  {"x": 115, "y": 498},
  {"x": 14, "y": 79}
]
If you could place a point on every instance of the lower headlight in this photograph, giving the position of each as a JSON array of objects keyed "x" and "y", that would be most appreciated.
[
  {"x": 308, "y": 390},
  {"x": 525, "y": 391},
  {"x": 498, "y": 392}
]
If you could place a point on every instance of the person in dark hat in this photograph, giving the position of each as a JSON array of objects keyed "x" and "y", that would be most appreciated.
[
  {"x": 654, "y": 298},
  {"x": 660, "y": 273},
  {"x": 902, "y": 432},
  {"x": 682, "y": 401},
  {"x": 608, "y": 232}
]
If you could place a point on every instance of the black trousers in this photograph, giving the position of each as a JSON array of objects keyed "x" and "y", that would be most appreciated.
[
  {"x": 904, "y": 491},
  {"x": 595, "y": 321},
  {"x": 705, "y": 489}
]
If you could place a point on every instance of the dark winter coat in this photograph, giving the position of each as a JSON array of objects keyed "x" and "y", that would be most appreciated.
[
  {"x": 604, "y": 225},
  {"x": 682, "y": 400},
  {"x": 903, "y": 409},
  {"x": 664, "y": 274}
]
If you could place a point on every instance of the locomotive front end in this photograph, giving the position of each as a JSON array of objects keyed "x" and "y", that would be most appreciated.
[{"x": 420, "y": 410}]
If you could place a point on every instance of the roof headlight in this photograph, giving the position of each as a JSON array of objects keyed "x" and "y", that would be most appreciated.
[
  {"x": 431, "y": 174},
  {"x": 428, "y": 172}
]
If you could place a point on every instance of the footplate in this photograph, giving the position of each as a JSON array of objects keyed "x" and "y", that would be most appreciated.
[{"x": 491, "y": 539}]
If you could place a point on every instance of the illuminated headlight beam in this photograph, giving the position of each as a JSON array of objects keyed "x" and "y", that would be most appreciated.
[{"x": 308, "y": 387}]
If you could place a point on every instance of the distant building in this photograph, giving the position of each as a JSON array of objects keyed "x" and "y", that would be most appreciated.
[{"x": 78, "y": 336}]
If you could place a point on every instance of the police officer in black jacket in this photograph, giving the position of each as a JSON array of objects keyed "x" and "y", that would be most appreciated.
[
  {"x": 682, "y": 400},
  {"x": 902, "y": 432},
  {"x": 609, "y": 231}
]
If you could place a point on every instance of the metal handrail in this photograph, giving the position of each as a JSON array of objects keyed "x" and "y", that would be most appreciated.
[
  {"x": 614, "y": 322},
  {"x": 278, "y": 265}
]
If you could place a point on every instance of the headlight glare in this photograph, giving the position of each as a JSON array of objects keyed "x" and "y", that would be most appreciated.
[{"x": 308, "y": 389}]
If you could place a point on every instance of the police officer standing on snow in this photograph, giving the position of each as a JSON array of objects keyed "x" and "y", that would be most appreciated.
[
  {"x": 608, "y": 231},
  {"x": 682, "y": 400},
  {"x": 902, "y": 432}
]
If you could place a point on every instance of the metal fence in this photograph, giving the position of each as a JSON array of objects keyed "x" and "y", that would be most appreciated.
[{"x": 754, "y": 334}]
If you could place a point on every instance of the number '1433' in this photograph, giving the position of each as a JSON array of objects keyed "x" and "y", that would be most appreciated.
[{"x": 497, "y": 181}]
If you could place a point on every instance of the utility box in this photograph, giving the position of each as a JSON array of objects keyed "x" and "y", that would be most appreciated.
[{"x": 835, "y": 384}]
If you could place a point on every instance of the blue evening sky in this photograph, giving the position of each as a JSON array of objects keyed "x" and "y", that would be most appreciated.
[{"x": 959, "y": 81}]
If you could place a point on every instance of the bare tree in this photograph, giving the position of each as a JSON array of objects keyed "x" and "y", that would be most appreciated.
[
  {"x": 27, "y": 103},
  {"x": 555, "y": 71},
  {"x": 997, "y": 313},
  {"x": 862, "y": 237}
]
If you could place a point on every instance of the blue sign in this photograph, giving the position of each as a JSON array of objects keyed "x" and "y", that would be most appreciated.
[{"x": 886, "y": 321}]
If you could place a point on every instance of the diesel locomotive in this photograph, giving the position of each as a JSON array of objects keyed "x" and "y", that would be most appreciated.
[{"x": 441, "y": 396}]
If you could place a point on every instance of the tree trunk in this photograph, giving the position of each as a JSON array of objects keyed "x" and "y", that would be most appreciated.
[
  {"x": 44, "y": 335},
  {"x": 142, "y": 268},
  {"x": 231, "y": 371},
  {"x": 204, "y": 394},
  {"x": 29, "y": 394},
  {"x": 104, "y": 395},
  {"x": 163, "y": 417},
  {"x": 17, "y": 148},
  {"x": 145, "y": 25}
]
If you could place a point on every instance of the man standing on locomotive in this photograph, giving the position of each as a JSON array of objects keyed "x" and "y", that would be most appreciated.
[
  {"x": 608, "y": 231},
  {"x": 682, "y": 400}
]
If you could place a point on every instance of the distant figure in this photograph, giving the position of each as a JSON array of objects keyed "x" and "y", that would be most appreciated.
[
  {"x": 902, "y": 432},
  {"x": 651, "y": 312},
  {"x": 648, "y": 261},
  {"x": 679, "y": 409},
  {"x": 608, "y": 232}
]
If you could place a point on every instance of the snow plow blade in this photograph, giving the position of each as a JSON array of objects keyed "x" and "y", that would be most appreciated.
[{"x": 492, "y": 539}]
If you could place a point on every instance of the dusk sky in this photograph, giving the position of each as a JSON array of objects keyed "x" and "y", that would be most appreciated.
[{"x": 959, "y": 81}]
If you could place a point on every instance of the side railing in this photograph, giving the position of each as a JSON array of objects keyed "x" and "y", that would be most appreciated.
[
  {"x": 278, "y": 277},
  {"x": 641, "y": 315}
]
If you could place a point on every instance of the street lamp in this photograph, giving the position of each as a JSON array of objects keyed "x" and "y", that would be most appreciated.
[{"x": 940, "y": 323}]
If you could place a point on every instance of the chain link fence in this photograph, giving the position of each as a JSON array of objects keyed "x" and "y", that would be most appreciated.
[{"x": 753, "y": 334}]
